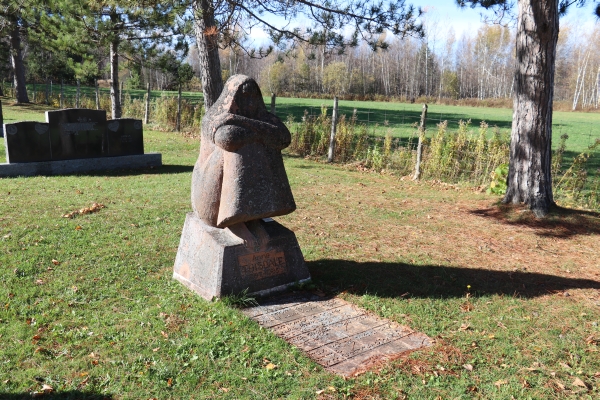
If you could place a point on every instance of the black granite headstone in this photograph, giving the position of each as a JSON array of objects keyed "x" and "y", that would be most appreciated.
[
  {"x": 77, "y": 133},
  {"x": 27, "y": 141},
  {"x": 125, "y": 137}
]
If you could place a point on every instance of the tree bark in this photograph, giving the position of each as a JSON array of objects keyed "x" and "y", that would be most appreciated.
[
  {"x": 208, "y": 51},
  {"x": 16, "y": 58},
  {"x": 115, "y": 96},
  {"x": 529, "y": 174}
]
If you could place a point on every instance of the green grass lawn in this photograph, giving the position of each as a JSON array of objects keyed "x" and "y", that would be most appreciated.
[
  {"x": 582, "y": 128},
  {"x": 89, "y": 306},
  {"x": 70, "y": 91}
]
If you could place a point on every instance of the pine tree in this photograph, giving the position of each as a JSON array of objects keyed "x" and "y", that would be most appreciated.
[
  {"x": 529, "y": 172},
  {"x": 219, "y": 24},
  {"x": 115, "y": 24}
]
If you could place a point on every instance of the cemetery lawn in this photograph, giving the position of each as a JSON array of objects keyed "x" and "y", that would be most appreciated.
[{"x": 88, "y": 305}]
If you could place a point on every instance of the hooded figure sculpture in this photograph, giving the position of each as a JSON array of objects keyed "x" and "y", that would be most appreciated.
[{"x": 239, "y": 176}]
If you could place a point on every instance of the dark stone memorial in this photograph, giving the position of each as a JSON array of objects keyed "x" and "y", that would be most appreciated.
[
  {"x": 125, "y": 137},
  {"x": 341, "y": 337},
  {"x": 74, "y": 133},
  {"x": 74, "y": 140},
  {"x": 229, "y": 243},
  {"x": 27, "y": 141},
  {"x": 77, "y": 133}
]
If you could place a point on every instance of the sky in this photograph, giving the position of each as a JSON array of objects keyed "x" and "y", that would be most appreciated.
[{"x": 447, "y": 15}]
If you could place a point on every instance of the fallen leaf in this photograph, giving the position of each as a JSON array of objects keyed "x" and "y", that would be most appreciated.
[
  {"x": 78, "y": 228},
  {"x": 47, "y": 388},
  {"x": 39, "y": 282},
  {"x": 565, "y": 365},
  {"x": 55, "y": 262},
  {"x": 270, "y": 366},
  {"x": 580, "y": 383},
  {"x": 164, "y": 334},
  {"x": 156, "y": 349},
  {"x": 592, "y": 340},
  {"x": 169, "y": 382},
  {"x": 319, "y": 391},
  {"x": 500, "y": 382},
  {"x": 464, "y": 327},
  {"x": 468, "y": 367},
  {"x": 225, "y": 390}
]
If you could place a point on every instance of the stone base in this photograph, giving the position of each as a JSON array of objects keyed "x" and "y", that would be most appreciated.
[
  {"x": 83, "y": 165},
  {"x": 216, "y": 262}
]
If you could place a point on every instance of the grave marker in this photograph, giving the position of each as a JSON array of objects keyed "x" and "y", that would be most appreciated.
[{"x": 341, "y": 337}]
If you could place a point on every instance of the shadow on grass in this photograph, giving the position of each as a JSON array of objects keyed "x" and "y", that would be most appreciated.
[
  {"x": 162, "y": 170},
  {"x": 561, "y": 223},
  {"x": 70, "y": 395},
  {"x": 387, "y": 279}
]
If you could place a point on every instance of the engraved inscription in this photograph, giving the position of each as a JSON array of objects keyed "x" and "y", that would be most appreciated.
[
  {"x": 262, "y": 265},
  {"x": 76, "y": 127},
  {"x": 41, "y": 129},
  {"x": 113, "y": 126},
  {"x": 336, "y": 334}
]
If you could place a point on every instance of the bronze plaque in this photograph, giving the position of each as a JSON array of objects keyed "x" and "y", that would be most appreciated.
[
  {"x": 336, "y": 334},
  {"x": 262, "y": 265}
]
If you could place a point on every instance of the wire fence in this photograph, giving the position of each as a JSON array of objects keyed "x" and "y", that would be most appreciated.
[{"x": 464, "y": 145}]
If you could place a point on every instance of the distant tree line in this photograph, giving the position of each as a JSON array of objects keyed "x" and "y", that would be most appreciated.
[{"x": 478, "y": 65}]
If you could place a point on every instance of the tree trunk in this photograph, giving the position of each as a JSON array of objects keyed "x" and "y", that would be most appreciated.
[
  {"x": 529, "y": 174},
  {"x": 115, "y": 96},
  {"x": 207, "y": 38},
  {"x": 16, "y": 58}
]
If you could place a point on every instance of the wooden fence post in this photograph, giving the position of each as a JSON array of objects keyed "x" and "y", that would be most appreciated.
[
  {"x": 273, "y": 97},
  {"x": 47, "y": 92},
  {"x": 78, "y": 95},
  {"x": 333, "y": 128},
  {"x": 62, "y": 93},
  {"x": 420, "y": 145},
  {"x": 147, "y": 114},
  {"x": 97, "y": 95},
  {"x": 178, "y": 127}
]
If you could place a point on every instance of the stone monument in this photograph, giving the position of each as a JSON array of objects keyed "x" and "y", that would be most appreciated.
[
  {"x": 74, "y": 140},
  {"x": 229, "y": 242}
]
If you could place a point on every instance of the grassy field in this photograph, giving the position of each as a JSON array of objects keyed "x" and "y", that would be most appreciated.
[
  {"x": 582, "y": 128},
  {"x": 89, "y": 307}
]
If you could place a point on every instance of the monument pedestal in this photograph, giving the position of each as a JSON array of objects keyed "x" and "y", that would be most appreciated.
[{"x": 216, "y": 262}]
